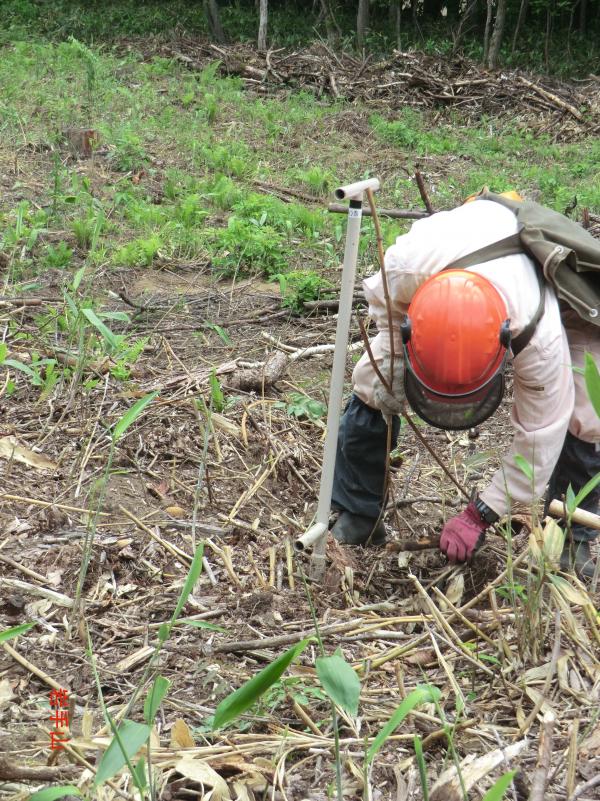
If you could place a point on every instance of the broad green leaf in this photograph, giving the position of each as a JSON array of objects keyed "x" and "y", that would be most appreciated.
[
  {"x": 131, "y": 415},
  {"x": 339, "y": 681},
  {"x": 216, "y": 393},
  {"x": 239, "y": 701},
  {"x": 570, "y": 500},
  {"x": 163, "y": 631},
  {"x": 586, "y": 489},
  {"x": 190, "y": 582},
  {"x": 77, "y": 278},
  {"x": 52, "y": 793},
  {"x": 422, "y": 694},
  {"x": 496, "y": 793},
  {"x": 122, "y": 317},
  {"x": 154, "y": 698},
  {"x": 133, "y": 736},
  {"x": 524, "y": 466},
  {"x": 24, "y": 368},
  {"x": 8, "y": 634},
  {"x": 202, "y": 624},
  {"x": 3, "y": 351},
  {"x": 220, "y": 331},
  {"x": 103, "y": 329},
  {"x": 592, "y": 381}
]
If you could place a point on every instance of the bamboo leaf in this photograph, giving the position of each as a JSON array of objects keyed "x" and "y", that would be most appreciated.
[
  {"x": 154, "y": 698},
  {"x": 339, "y": 681},
  {"x": 15, "y": 631},
  {"x": 586, "y": 489},
  {"x": 422, "y": 694},
  {"x": 131, "y": 415},
  {"x": 496, "y": 793},
  {"x": 133, "y": 736},
  {"x": 51, "y": 793},
  {"x": 101, "y": 327},
  {"x": 524, "y": 466},
  {"x": 242, "y": 699},
  {"x": 592, "y": 381},
  {"x": 190, "y": 582}
]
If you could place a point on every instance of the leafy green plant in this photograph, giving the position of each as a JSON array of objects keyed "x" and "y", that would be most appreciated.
[
  {"x": 300, "y": 405},
  {"x": 248, "y": 247},
  {"x": 243, "y": 698},
  {"x": 300, "y": 286},
  {"x": 138, "y": 253},
  {"x": 128, "y": 153},
  {"x": 59, "y": 256}
]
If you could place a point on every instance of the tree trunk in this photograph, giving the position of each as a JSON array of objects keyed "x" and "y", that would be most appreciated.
[
  {"x": 520, "y": 21},
  {"x": 334, "y": 33},
  {"x": 398, "y": 23},
  {"x": 496, "y": 40},
  {"x": 583, "y": 9},
  {"x": 213, "y": 18},
  {"x": 262, "y": 25},
  {"x": 488, "y": 27},
  {"x": 547, "y": 38},
  {"x": 362, "y": 22},
  {"x": 464, "y": 26}
]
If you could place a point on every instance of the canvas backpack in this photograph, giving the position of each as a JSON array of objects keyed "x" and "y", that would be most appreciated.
[{"x": 565, "y": 254}]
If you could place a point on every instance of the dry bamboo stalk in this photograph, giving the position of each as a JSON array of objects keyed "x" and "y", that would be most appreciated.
[
  {"x": 401, "y": 650},
  {"x": 551, "y": 671},
  {"x": 272, "y": 566},
  {"x": 289, "y": 557},
  {"x": 41, "y": 592},
  {"x": 572, "y": 759},
  {"x": 262, "y": 580},
  {"x": 540, "y": 774},
  {"x": 173, "y": 549},
  {"x": 25, "y": 570},
  {"x": 447, "y": 628},
  {"x": 36, "y": 502},
  {"x": 31, "y": 667}
]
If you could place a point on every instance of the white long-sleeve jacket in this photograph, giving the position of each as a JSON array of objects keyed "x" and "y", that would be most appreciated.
[{"x": 549, "y": 398}]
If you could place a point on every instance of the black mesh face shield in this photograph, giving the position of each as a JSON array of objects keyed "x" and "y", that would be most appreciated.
[{"x": 455, "y": 412}]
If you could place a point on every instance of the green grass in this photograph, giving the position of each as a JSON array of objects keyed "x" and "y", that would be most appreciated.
[{"x": 182, "y": 153}]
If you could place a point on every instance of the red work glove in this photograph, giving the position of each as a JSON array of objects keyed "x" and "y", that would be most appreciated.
[{"x": 462, "y": 534}]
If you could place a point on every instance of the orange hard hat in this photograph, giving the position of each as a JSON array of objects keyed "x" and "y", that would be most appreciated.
[{"x": 456, "y": 338}]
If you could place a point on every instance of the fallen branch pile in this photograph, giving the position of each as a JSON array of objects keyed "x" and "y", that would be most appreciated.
[{"x": 413, "y": 78}]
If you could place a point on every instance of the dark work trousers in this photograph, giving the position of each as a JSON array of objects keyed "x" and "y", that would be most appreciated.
[
  {"x": 578, "y": 462},
  {"x": 360, "y": 461}
]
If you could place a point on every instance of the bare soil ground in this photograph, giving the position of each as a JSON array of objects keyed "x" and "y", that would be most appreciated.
[{"x": 500, "y": 664}]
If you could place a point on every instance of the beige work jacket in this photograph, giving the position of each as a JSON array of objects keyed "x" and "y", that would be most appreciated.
[{"x": 548, "y": 397}]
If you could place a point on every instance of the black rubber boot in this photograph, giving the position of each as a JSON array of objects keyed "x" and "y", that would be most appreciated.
[
  {"x": 578, "y": 557},
  {"x": 354, "y": 529}
]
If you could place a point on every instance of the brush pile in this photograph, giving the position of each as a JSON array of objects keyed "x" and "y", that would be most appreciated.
[{"x": 561, "y": 109}]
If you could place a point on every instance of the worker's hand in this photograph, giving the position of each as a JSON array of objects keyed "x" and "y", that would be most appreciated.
[
  {"x": 463, "y": 534},
  {"x": 390, "y": 403}
]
